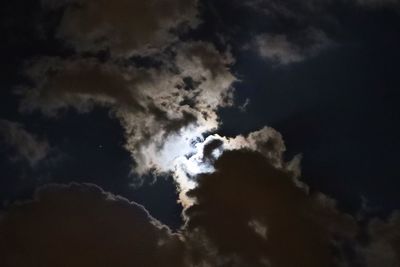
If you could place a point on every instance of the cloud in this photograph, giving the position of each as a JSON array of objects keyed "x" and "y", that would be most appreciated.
[
  {"x": 203, "y": 153},
  {"x": 164, "y": 107},
  {"x": 279, "y": 49},
  {"x": 383, "y": 246},
  {"x": 124, "y": 27},
  {"x": 157, "y": 106},
  {"x": 246, "y": 213},
  {"x": 253, "y": 214},
  {"x": 294, "y": 31},
  {"x": 26, "y": 146},
  {"x": 267, "y": 141},
  {"x": 81, "y": 225}
]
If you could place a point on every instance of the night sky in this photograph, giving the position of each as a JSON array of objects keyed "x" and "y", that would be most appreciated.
[{"x": 200, "y": 133}]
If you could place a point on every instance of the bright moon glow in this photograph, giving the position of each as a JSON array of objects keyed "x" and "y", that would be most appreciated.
[{"x": 182, "y": 154}]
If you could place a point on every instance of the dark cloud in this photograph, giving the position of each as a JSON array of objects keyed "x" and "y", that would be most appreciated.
[
  {"x": 124, "y": 27},
  {"x": 203, "y": 53},
  {"x": 26, "y": 146},
  {"x": 255, "y": 215},
  {"x": 81, "y": 83},
  {"x": 81, "y": 225},
  {"x": 247, "y": 213}
]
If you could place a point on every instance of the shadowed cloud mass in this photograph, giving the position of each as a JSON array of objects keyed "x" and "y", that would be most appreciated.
[
  {"x": 124, "y": 27},
  {"x": 246, "y": 213},
  {"x": 81, "y": 225}
]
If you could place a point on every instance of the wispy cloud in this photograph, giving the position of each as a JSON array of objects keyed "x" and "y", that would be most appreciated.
[{"x": 26, "y": 146}]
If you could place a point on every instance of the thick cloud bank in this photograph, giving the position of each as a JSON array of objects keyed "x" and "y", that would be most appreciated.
[
  {"x": 247, "y": 213},
  {"x": 256, "y": 215},
  {"x": 81, "y": 225}
]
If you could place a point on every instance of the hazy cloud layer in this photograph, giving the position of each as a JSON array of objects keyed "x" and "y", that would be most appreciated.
[
  {"x": 124, "y": 27},
  {"x": 25, "y": 145}
]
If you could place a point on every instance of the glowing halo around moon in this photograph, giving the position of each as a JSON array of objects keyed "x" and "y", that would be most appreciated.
[
  {"x": 182, "y": 156},
  {"x": 186, "y": 154}
]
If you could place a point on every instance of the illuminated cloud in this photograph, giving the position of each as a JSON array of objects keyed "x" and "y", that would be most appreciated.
[{"x": 163, "y": 110}]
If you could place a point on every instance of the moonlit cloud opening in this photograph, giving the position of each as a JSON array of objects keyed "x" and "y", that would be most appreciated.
[
  {"x": 193, "y": 151},
  {"x": 182, "y": 155}
]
